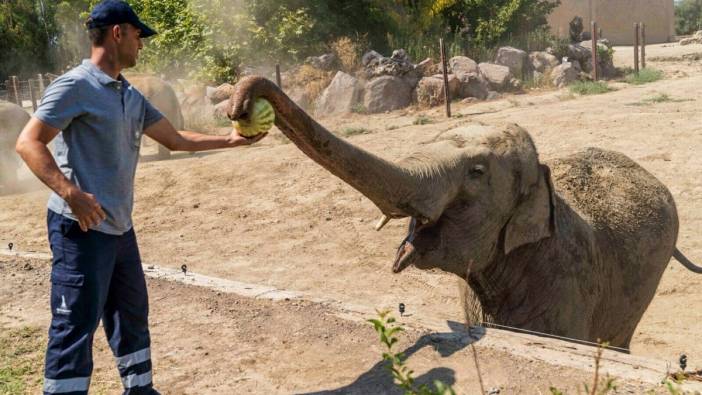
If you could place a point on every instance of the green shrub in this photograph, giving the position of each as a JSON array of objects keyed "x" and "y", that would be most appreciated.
[
  {"x": 644, "y": 77},
  {"x": 354, "y": 130},
  {"x": 359, "y": 108},
  {"x": 590, "y": 87},
  {"x": 688, "y": 16},
  {"x": 422, "y": 120},
  {"x": 387, "y": 327}
]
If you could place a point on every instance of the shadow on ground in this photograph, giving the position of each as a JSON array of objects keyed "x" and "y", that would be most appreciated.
[{"x": 378, "y": 379}]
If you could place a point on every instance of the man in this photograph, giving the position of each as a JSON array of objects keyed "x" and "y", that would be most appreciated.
[{"x": 98, "y": 120}]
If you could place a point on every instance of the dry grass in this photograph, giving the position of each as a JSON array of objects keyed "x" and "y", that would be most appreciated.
[
  {"x": 312, "y": 80},
  {"x": 347, "y": 51}
]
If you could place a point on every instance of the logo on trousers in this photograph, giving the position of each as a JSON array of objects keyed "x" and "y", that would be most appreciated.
[{"x": 63, "y": 309}]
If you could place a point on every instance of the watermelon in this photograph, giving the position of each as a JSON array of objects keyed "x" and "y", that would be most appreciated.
[{"x": 260, "y": 121}]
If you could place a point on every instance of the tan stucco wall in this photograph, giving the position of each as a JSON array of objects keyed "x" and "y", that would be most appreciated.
[{"x": 616, "y": 18}]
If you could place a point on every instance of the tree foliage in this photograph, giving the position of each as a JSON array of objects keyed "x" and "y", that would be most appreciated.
[
  {"x": 688, "y": 16},
  {"x": 211, "y": 39},
  {"x": 486, "y": 22},
  {"x": 26, "y": 31}
]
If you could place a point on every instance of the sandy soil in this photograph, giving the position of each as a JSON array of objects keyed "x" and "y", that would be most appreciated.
[
  {"x": 269, "y": 215},
  {"x": 231, "y": 344}
]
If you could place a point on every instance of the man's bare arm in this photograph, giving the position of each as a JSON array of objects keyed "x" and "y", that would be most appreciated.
[
  {"x": 163, "y": 132},
  {"x": 32, "y": 147}
]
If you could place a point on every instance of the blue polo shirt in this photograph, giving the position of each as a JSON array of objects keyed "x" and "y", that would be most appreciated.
[{"x": 101, "y": 121}]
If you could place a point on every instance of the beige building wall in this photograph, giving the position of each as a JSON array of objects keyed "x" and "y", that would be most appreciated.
[{"x": 616, "y": 18}]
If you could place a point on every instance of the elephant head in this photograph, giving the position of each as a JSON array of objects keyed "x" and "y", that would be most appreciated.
[{"x": 475, "y": 192}]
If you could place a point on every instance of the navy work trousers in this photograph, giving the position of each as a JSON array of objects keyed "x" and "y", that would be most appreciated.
[{"x": 95, "y": 276}]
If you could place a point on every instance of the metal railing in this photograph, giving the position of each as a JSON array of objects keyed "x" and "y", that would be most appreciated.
[{"x": 17, "y": 91}]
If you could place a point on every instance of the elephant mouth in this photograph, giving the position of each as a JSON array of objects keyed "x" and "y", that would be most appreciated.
[{"x": 406, "y": 253}]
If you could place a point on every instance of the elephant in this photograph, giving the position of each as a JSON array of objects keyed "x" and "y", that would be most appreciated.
[
  {"x": 12, "y": 120},
  {"x": 572, "y": 247},
  {"x": 159, "y": 93}
]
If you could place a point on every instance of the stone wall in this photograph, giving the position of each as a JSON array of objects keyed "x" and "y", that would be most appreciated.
[{"x": 616, "y": 18}]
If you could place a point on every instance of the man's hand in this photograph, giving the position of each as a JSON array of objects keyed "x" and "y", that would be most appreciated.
[
  {"x": 183, "y": 140},
  {"x": 235, "y": 139},
  {"x": 86, "y": 208},
  {"x": 32, "y": 147}
]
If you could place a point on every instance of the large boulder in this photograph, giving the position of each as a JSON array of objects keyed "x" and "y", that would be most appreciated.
[
  {"x": 220, "y": 109},
  {"x": 370, "y": 56},
  {"x": 542, "y": 62},
  {"x": 695, "y": 39},
  {"x": 426, "y": 67},
  {"x": 386, "y": 93},
  {"x": 462, "y": 65},
  {"x": 12, "y": 121},
  {"x": 497, "y": 76},
  {"x": 387, "y": 66},
  {"x": 564, "y": 74},
  {"x": 581, "y": 54},
  {"x": 323, "y": 62},
  {"x": 515, "y": 59},
  {"x": 301, "y": 97},
  {"x": 474, "y": 85},
  {"x": 220, "y": 93},
  {"x": 340, "y": 96},
  {"x": 430, "y": 90}
]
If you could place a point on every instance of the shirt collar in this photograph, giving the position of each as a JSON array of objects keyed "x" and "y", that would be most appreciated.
[{"x": 100, "y": 75}]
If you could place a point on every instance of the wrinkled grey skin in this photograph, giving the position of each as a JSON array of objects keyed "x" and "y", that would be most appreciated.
[
  {"x": 574, "y": 247},
  {"x": 12, "y": 121},
  {"x": 162, "y": 96}
]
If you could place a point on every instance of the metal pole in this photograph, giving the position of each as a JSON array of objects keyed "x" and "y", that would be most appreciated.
[
  {"x": 277, "y": 76},
  {"x": 593, "y": 29},
  {"x": 31, "y": 95},
  {"x": 643, "y": 45},
  {"x": 636, "y": 48},
  {"x": 15, "y": 90},
  {"x": 447, "y": 95}
]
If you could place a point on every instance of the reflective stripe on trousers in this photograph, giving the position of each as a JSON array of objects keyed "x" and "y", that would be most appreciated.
[{"x": 66, "y": 385}]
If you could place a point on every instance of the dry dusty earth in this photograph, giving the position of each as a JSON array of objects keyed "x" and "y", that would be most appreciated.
[{"x": 269, "y": 215}]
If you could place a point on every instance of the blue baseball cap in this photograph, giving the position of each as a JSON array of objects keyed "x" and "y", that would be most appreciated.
[{"x": 114, "y": 12}]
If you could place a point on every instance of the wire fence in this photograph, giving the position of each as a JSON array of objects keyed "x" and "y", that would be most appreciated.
[{"x": 25, "y": 92}]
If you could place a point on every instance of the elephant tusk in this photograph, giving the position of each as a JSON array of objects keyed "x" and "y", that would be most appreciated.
[{"x": 382, "y": 222}]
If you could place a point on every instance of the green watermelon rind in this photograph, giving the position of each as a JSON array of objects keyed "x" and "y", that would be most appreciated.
[{"x": 261, "y": 121}]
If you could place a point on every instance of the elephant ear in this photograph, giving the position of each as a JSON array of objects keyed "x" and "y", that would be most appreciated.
[{"x": 533, "y": 218}]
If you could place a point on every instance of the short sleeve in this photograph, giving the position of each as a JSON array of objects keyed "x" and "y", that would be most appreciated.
[
  {"x": 61, "y": 103},
  {"x": 151, "y": 114}
]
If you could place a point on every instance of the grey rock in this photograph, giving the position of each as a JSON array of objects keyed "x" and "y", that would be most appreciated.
[
  {"x": 342, "y": 94},
  {"x": 220, "y": 93},
  {"x": 542, "y": 61},
  {"x": 462, "y": 65},
  {"x": 564, "y": 74},
  {"x": 430, "y": 90},
  {"x": 515, "y": 59},
  {"x": 369, "y": 56},
  {"x": 322, "y": 62},
  {"x": 386, "y": 93},
  {"x": 497, "y": 76}
]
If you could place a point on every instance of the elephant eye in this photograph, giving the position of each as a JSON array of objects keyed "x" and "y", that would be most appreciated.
[{"x": 477, "y": 171}]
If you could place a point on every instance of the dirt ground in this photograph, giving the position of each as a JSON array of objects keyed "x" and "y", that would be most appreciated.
[{"x": 269, "y": 215}]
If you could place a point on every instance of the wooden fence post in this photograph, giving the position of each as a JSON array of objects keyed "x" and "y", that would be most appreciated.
[
  {"x": 15, "y": 90},
  {"x": 32, "y": 96},
  {"x": 41, "y": 84},
  {"x": 594, "y": 36},
  {"x": 447, "y": 95},
  {"x": 636, "y": 48},
  {"x": 643, "y": 45}
]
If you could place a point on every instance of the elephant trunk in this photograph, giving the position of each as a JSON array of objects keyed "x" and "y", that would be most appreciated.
[{"x": 390, "y": 187}]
